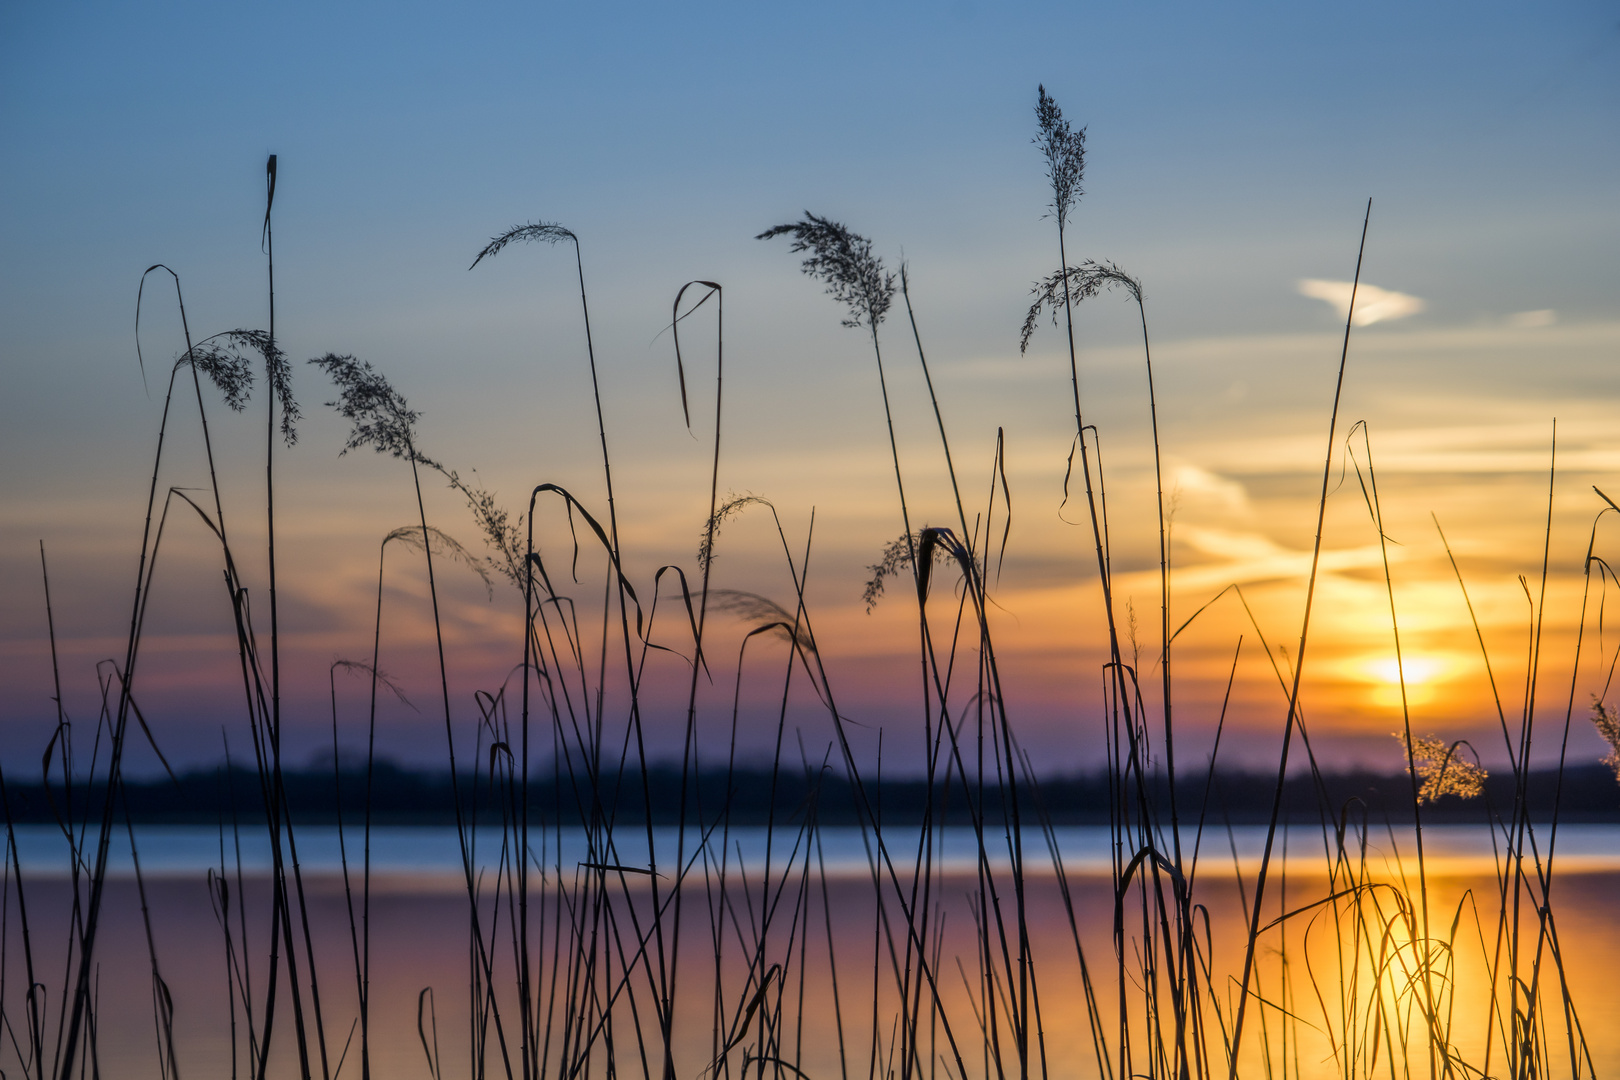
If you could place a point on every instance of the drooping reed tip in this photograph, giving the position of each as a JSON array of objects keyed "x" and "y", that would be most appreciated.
[
  {"x": 843, "y": 259},
  {"x": 547, "y": 232}
]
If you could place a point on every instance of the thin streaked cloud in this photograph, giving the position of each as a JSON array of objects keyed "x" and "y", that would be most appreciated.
[
  {"x": 1190, "y": 484},
  {"x": 1240, "y": 558}
]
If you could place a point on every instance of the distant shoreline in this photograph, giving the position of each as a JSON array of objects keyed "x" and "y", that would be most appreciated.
[{"x": 406, "y": 796}]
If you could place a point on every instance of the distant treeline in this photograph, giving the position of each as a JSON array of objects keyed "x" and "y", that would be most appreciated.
[{"x": 399, "y": 795}]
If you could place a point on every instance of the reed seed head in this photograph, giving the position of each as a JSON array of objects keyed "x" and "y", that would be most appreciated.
[
  {"x": 844, "y": 260},
  {"x": 1442, "y": 771},
  {"x": 762, "y": 612},
  {"x": 1071, "y": 285},
  {"x": 897, "y": 556},
  {"x": 501, "y": 531},
  {"x": 444, "y": 545},
  {"x": 543, "y": 232},
  {"x": 225, "y": 367},
  {"x": 1065, "y": 153},
  {"x": 382, "y": 419},
  {"x": 386, "y": 681},
  {"x": 1606, "y": 718},
  {"x": 734, "y": 504},
  {"x": 277, "y": 371}
]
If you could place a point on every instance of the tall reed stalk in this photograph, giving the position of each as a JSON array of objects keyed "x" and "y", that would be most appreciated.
[
  {"x": 599, "y": 945},
  {"x": 1292, "y": 718}
]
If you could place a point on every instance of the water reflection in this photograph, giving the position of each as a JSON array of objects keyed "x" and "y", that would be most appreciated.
[
  {"x": 429, "y": 851},
  {"x": 825, "y": 930}
]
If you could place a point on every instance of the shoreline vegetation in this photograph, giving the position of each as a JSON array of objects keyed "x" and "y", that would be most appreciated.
[
  {"x": 423, "y": 797},
  {"x": 699, "y": 964}
]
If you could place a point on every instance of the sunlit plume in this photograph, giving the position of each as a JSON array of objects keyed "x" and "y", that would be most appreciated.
[
  {"x": 1606, "y": 718},
  {"x": 1442, "y": 770},
  {"x": 1373, "y": 304}
]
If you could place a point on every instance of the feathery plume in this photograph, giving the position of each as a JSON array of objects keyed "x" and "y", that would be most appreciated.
[
  {"x": 844, "y": 260},
  {"x": 1441, "y": 771},
  {"x": 734, "y": 504},
  {"x": 381, "y": 417},
  {"x": 386, "y": 681},
  {"x": 1606, "y": 719},
  {"x": 762, "y": 611},
  {"x": 544, "y": 232},
  {"x": 1065, "y": 152},
  {"x": 443, "y": 545},
  {"x": 1080, "y": 282},
  {"x": 225, "y": 367},
  {"x": 277, "y": 370},
  {"x": 501, "y": 531},
  {"x": 897, "y": 554}
]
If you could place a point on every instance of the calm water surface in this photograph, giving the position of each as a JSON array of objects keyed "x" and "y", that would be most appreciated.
[
  {"x": 429, "y": 851},
  {"x": 420, "y": 918}
]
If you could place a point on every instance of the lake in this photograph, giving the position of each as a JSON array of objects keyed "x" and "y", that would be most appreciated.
[{"x": 822, "y": 927}]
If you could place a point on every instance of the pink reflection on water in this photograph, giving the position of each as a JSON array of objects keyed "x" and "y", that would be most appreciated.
[{"x": 419, "y": 928}]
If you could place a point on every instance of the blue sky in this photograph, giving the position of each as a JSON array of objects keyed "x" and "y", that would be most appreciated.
[
  {"x": 402, "y": 128},
  {"x": 1231, "y": 151}
]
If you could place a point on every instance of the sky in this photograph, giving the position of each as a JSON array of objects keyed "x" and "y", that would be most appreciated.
[{"x": 1231, "y": 151}]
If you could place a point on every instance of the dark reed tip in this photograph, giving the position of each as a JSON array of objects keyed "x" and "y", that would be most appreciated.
[
  {"x": 269, "y": 194},
  {"x": 225, "y": 367},
  {"x": 734, "y": 504},
  {"x": 382, "y": 418},
  {"x": 384, "y": 680},
  {"x": 766, "y": 615},
  {"x": 427, "y": 538},
  {"x": 898, "y": 556},
  {"x": 1074, "y": 284},
  {"x": 278, "y": 372},
  {"x": 843, "y": 259},
  {"x": 545, "y": 232},
  {"x": 1065, "y": 151}
]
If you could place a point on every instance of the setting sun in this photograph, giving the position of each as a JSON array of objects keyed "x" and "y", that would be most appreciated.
[{"x": 1417, "y": 670}]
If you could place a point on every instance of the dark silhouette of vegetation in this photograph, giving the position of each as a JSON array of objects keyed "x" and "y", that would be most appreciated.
[{"x": 614, "y": 958}]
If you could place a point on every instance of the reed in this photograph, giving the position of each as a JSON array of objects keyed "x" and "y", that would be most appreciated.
[{"x": 600, "y": 944}]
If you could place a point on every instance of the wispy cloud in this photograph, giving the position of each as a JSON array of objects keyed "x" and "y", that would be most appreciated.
[
  {"x": 1502, "y": 447},
  {"x": 1193, "y": 484},
  {"x": 1531, "y": 320},
  {"x": 1372, "y": 303},
  {"x": 1250, "y": 557}
]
